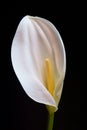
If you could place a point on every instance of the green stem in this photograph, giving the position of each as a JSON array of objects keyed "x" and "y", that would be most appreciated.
[{"x": 50, "y": 121}]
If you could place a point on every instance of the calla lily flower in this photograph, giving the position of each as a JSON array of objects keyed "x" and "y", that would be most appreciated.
[{"x": 39, "y": 60}]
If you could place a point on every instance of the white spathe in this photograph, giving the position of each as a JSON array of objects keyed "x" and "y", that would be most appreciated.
[{"x": 35, "y": 40}]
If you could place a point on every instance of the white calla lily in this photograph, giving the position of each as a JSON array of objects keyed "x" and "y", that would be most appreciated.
[{"x": 39, "y": 60}]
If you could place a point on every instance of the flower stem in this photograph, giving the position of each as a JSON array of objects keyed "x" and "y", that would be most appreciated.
[{"x": 50, "y": 121}]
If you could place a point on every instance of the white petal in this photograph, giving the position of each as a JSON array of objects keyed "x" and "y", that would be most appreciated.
[
  {"x": 27, "y": 61},
  {"x": 35, "y": 40}
]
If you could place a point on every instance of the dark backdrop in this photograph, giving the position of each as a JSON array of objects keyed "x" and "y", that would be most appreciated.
[{"x": 18, "y": 111}]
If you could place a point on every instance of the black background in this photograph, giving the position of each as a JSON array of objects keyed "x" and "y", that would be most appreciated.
[{"x": 18, "y": 111}]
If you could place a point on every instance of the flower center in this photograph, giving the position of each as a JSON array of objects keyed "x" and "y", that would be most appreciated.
[{"x": 49, "y": 76}]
